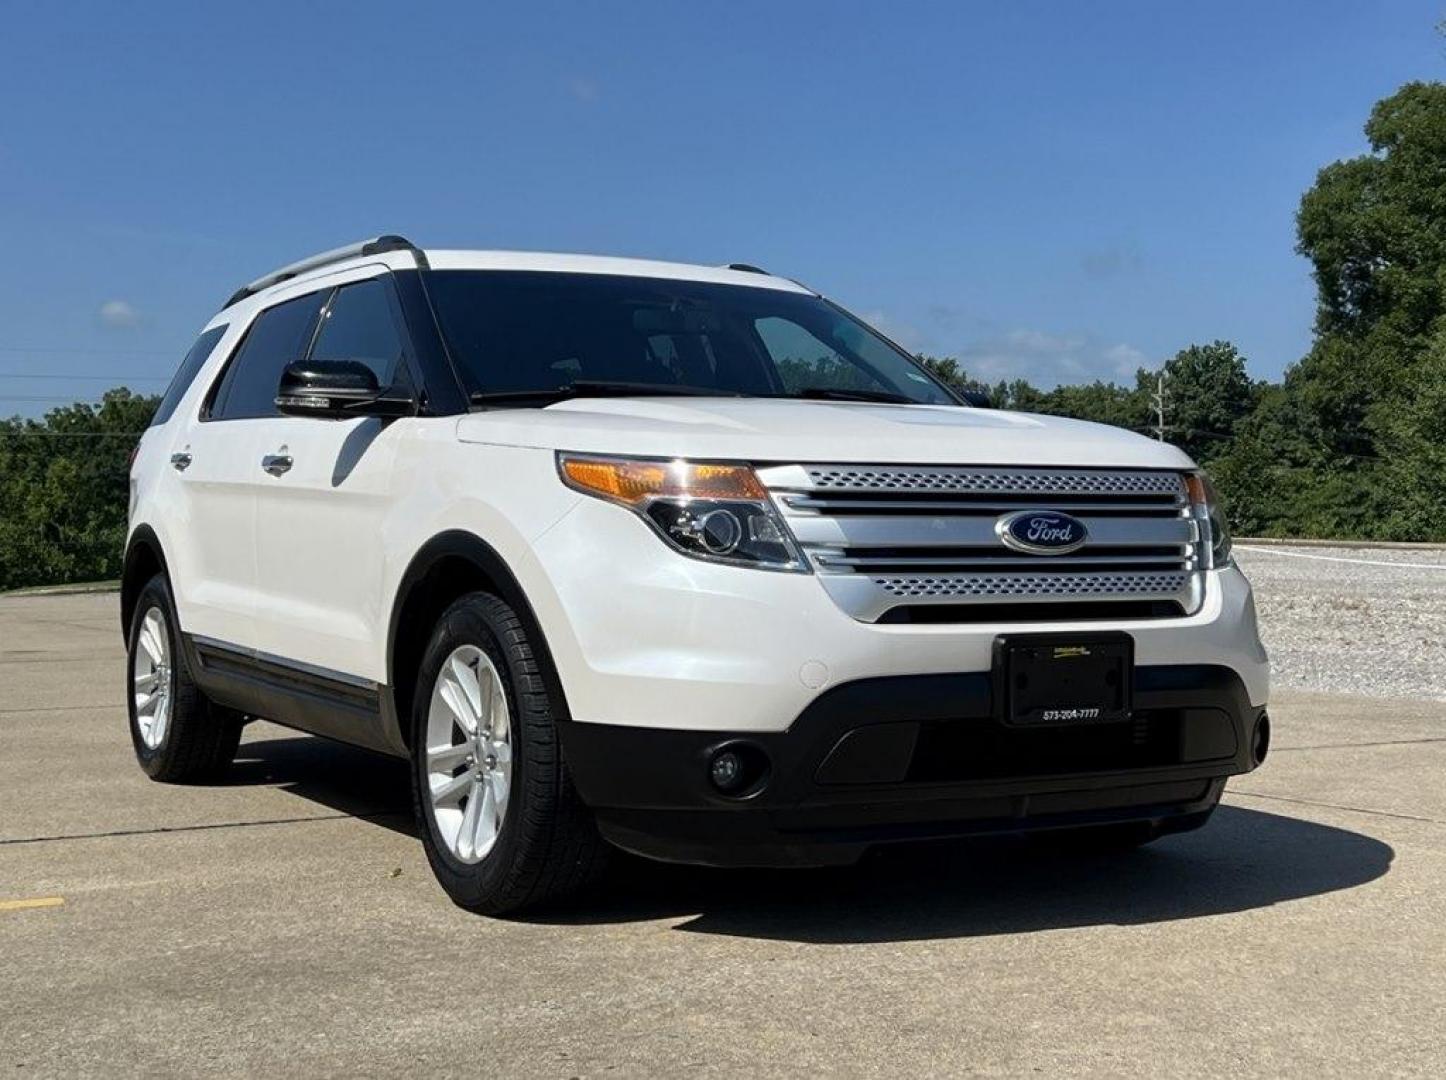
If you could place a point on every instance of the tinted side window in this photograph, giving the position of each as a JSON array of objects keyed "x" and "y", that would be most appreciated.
[
  {"x": 360, "y": 325},
  {"x": 278, "y": 337},
  {"x": 186, "y": 374}
]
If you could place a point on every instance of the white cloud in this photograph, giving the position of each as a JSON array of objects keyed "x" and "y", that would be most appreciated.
[
  {"x": 119, "y": 315},
  {"x": 1127, "y": 359},
  {"x": 584, "y": 90},
  {"x": 898, "y": 332},
  {"x": 1047, "y": 359}
]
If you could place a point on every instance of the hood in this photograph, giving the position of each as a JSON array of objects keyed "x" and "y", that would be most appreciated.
[{"x": 790, "y": 430}]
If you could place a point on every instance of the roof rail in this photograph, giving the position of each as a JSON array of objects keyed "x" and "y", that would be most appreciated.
[
  {"x": 747, "y": 268},
  {"x": 375, "y": 246}
]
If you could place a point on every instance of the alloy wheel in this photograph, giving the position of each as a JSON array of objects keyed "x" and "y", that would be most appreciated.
[
  {"x": 151, "y": 678},
  {"x": 468, "y": 753}
]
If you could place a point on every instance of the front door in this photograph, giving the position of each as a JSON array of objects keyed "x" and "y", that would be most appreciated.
[{"x": 324, "y": 490}]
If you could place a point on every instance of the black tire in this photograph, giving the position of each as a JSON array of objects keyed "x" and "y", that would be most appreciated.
[
  {"x": 199, "y": 739},
  {"x": 547, "y": 846}
]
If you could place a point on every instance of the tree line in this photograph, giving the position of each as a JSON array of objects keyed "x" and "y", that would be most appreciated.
[{"x": 1351, "y": 443}]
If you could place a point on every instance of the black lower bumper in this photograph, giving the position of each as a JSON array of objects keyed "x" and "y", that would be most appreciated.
[{"x": 914, "y": 757}]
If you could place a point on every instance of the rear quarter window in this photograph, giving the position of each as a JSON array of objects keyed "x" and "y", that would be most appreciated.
[{"x": 185, "y": 375}]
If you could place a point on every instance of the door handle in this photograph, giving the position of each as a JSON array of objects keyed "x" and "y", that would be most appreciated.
[
  {"x": 276, "y": 464},
  {"x": 181, "y": 461}
]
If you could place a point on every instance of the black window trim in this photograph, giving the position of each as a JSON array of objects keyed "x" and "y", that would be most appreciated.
[
  {"x": 157, "y": 420},
  {"x": 407, "y": 364},
  {"x": 442, "y": 389},
  {"x": 214, "y": 400}
]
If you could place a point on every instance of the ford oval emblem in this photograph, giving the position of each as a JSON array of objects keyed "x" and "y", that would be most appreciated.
[{"x": 1041, "y": 532}]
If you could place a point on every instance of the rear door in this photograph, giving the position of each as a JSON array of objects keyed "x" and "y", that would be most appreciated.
[
  {"x": 212, "y": 548},
  {"x": 322, "y": 508}
]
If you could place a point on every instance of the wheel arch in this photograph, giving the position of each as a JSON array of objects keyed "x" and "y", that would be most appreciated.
[
  {"x": 449, "y": 565},
  {"x": 144, "y": 559}
]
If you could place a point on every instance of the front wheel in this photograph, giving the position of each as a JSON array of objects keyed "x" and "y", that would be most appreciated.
[{"x": 502, "y": 825}]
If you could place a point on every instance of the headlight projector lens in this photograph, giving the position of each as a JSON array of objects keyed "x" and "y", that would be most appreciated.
[{"x": 719, "y": 531}]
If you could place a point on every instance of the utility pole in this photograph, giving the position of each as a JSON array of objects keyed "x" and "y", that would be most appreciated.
[{"x": 1158, "y": 400}]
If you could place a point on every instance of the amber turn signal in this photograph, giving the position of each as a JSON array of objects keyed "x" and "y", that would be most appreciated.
[{"x": 633, "y": 482}]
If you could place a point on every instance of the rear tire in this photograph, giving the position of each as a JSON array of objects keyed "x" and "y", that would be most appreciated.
[
  {"x": 499, "y": 818},
  {"x": 178, "y": 735}
]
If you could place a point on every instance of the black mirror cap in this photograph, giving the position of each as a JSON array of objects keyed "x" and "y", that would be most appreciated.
[
  {"x": 338, "y": 389},
  {"x": 978, "y": 399}
]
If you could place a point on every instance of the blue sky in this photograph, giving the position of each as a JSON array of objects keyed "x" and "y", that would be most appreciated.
[{"x": 1060, "y": 191}]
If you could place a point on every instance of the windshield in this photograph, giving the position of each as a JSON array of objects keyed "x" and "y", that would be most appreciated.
[{"x": 513, "y": 333}]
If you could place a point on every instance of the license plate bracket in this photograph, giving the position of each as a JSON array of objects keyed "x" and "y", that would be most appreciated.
[{"x": 1064, "y": 680}]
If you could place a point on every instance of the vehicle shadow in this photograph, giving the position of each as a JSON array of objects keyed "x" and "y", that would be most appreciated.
[
  {"x": 354, "y": 447},
  {"x": 1242, "y": 859},
  {"x": 344, "y": 778}
]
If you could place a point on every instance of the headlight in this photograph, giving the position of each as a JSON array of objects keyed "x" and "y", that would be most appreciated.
[
  {"x": 1214, "y": 532},
  {"x": 717, "y": 512}
]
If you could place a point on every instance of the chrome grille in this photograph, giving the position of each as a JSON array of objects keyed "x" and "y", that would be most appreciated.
[
  {"x": 994, "y": 481},
  {"x": 1011, "y": 586},
  {"x": 884, "y": 537}
]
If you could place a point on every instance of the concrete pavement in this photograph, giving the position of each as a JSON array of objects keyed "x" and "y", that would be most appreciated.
[{"x": 284, "y": 921}]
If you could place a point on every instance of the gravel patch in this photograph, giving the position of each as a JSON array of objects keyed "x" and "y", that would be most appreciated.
[{"x": 1352, "y": 620}]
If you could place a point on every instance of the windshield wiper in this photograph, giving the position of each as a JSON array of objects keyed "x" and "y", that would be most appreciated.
[
  {"x": 505, "y": 397},
  {"x": 612, "y": 388},
  {"x": 828, "y": 393},
  {"x": 582, "y": 388}
]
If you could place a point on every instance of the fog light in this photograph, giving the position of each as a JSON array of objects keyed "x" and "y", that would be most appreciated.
[{"x": 726, "y": 771}]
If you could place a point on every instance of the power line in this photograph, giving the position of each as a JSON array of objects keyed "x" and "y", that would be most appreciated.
[
  {"x": 64, "y": 400},
  {"x": 97, "y": 378},
  {"x": 78, "y": 350},
  {"x": 68, "y": 434}
]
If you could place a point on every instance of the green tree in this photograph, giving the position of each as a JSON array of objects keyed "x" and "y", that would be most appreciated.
[
  {"x": 1102, "y": 402},
  {"x": 1208, "y": 394},
  {"x": 1374, "y": 229},
  {"x": 1019, "y": 395},
  {"x": 948, "y": 370},
  {"x": 1414, "y": 449},
  {"x": 64, "y": 490}
]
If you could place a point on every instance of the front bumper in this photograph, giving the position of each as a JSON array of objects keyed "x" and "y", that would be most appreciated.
[
  {"x": 644, "y": 637},
  {"x": 915, "y": 757}
]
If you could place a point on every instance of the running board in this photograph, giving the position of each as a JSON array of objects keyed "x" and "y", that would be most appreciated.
[{"x": 311, "y": 699}]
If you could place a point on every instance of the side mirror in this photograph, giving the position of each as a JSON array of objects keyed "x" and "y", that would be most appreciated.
[
  {"x": 337, "y": 389},
  {"x": 978, "y": 399}
]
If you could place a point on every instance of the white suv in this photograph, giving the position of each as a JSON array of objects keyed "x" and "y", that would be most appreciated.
[{"x": 681, "y": 559}]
